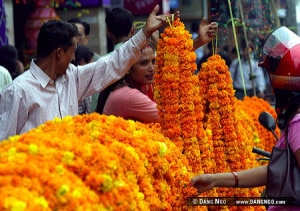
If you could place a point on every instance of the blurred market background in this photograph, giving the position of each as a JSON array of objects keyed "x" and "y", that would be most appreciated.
[{"x": 20, "y": 19}]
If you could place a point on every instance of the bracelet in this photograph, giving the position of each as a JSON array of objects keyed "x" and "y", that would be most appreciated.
[{"x": 236, "y": 179}]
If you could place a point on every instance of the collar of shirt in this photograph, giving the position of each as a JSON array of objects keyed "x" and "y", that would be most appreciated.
[{"x": 42, "y": 77}]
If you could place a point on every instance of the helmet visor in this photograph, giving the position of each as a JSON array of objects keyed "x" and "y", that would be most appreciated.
[{"x": 280, "y": 42}]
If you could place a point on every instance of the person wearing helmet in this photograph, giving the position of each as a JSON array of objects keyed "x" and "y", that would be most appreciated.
[{"x": 282, "y": 62}]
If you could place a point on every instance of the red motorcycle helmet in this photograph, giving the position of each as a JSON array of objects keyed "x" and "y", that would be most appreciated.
[{"x": 282, "y": 61}]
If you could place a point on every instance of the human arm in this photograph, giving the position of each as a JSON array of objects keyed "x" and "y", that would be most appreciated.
[
  {"x": 13, "y": 113},
  {"x": 247, "y": 178},
  {"x": 206, "y": 32}
]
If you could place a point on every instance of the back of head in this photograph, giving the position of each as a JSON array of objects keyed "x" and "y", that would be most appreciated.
[
  {"x": 87, "y": 27},
  {"x": 9, "y": 59},
  {"x": 84, "y": 54},
  {"x": 54, "y": 34},
  {"x": 119, "y": 21}
]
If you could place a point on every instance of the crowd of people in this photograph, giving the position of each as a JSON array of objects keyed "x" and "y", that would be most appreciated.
[{"x": 66, "y": 74}]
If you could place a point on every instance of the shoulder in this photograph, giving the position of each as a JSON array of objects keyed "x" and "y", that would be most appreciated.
[
  {"x": 5, "y": 75},
  {"x": 3, "y": 70},
  {"x": 295, "y": 119},
  {"x": 126, "y": 92}
]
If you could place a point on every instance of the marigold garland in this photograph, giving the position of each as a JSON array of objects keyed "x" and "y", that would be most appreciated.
[
  {"x": 175, "y": 59},
  {"x": 216, "y": 117},
  {"x": 222, "y": 118}
]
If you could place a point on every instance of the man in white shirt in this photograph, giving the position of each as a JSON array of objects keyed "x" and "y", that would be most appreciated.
[
  {"x": 246, "y": 77},
  {"x": 52, "y": 86}
]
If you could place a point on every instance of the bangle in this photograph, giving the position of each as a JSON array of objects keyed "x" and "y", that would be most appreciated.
[{"x": 236, "y": 179}]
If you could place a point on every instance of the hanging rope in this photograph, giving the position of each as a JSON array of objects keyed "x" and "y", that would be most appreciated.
[
  {"x": 214, "y": 43},
  {"x": 252, "y": 76},
  {"x": 237, "y": 47}
]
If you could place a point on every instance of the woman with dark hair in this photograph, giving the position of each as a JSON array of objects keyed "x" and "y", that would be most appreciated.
[{"x": 126, "y": 97}]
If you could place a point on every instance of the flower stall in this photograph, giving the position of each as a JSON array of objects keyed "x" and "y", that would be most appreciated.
[{"x": 98, "y": 162}]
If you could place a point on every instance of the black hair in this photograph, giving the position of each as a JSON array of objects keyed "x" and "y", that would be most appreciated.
[
  {"x": 9, "y": 59},
  {"x": 82, "y": 52},
  {"x": 54, "y": 34},
  {"x": 119, "y": 21},
  {"x": 103, "y": 95},
  {"x": 86, "y": 25}
]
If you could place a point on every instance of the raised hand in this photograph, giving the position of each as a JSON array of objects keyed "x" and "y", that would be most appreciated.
[
  {"x": 155, "y": 22},
  {"x": 206, "y": 32}
]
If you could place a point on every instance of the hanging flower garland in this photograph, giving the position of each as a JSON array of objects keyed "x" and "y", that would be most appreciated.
[
  {"x": 224, "y": 122},
  {"x": 176, "y": 88},
  {"x": 166, "y": 92}
]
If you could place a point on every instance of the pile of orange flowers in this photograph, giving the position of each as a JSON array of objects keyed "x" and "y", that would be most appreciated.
[
  {"x": 266, "y": 139},
  {"x": 92, "y": 162}
]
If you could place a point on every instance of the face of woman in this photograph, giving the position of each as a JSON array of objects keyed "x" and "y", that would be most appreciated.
[{"x": 142, "y": 72}]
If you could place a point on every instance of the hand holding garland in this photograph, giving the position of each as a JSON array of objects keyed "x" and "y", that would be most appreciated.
[
  {"x": 155, "y": 22},
  {"x": 206, "y": 32}
]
